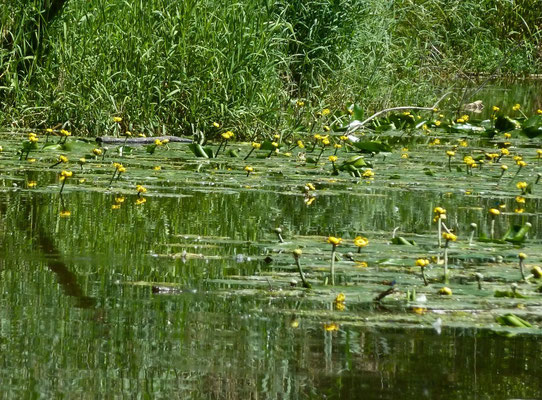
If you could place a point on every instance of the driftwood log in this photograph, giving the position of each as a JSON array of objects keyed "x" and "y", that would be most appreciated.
[{"x": 140, "y": 140}]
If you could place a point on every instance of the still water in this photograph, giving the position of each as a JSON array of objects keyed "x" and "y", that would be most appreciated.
[{"x": 79, "y": 317}]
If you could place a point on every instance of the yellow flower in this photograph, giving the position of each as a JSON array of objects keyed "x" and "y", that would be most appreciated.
[
  {"x": 32, "y": 138},
  {"x": 119, "y": 199},
  {"x": 117, "y": 119},
  {"x": 537, "y": 272},
  {"x": 63, "y": 159},
  {"x": 158, "y": 142},
  {"x": 309, "y": 186},
  {"x": 368, "y": 174},
  {"x": 333, "y": 158},
  {"x": 249, "y": 169},
  {"x": 31, "y": 184},
  {"x": 505, "y": 152},
  {"x": 325, "y": 141},
  {"x": 404, "y": 155},
  {"x": 362, "y": 264},
  {"x": 256, "y": 145},
  {"x": 507, "y": 135},
  {"x": 539, "y": 111},
  {"x": 331, "y": 327},
  {"x": 460, "y": 120},
  {"x": 141, "y": 189},
  {"x": 337, "y": 145},
  {"x": 465, "y": 117},
  {"x": 361, "y": 241},
  {"x": 516, "y": 107},
  {"x": 521, "y": 163},
  {"x": 439, "y": 211},
  {"x": 66, "y": 174},
  {"x": 343, "y": 138},
  {"x": 64, "y": 132},
  {"x": 216, "y": 124},
  {"x": 326, "y": 111},
  {"x": 121, "y": 169},
  {"x": 445, "y": 291},
  {"x": 82, "y": 160},
  {"x": 157, "y": 168},
  {"x": 437, "y": 123},
  {"x": 297, "y": 253},
  {"x": 494, "y": 211},
  {"x": 335, "y": 241},
  {"x": 422, "y": 262},
  {"x": 115, "y": 206},
  {"x": 341, "y": 298},
  {"x": 520, "y": 200},
  {"x": 463, "y": 143},
  {"x": 227, "y": 135},
  {"x": 1, "y": 149},
  {"x": 140, "y": 200},
  {"x": 31, "y": 160},
  {"x": 519, "y": 210},
  {"x": 65, "y": 213},
  {"x": 340, "y": 306},
  {"x": 97, "y": 152},
  {"x": 300, "y": 103},
  {"x": 504, "y": 167},
  {"x": 449, "y": 236},
  {"x": 450, "y": 153},
  {"x": 522, "y": 256},
  {"x": 300, "y": 144},
  {"x": 495, "y": 108},
  {"x": 521, "y": 185}
]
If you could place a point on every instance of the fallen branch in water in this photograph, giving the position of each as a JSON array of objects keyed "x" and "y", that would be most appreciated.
[
  {"x": 354, "y": 125},
  {"x": 140, "y": 140}
]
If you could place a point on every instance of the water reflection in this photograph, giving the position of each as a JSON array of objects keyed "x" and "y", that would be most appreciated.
[{"x": 214, "y": 344}]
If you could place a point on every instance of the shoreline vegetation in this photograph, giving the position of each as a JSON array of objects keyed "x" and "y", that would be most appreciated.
[{"x": 175, "y": 67}]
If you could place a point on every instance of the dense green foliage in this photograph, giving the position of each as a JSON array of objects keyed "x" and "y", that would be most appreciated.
[{"x": 180, "y": 65}]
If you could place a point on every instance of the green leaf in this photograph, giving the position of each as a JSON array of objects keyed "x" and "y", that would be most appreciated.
[
  {"x": 532, "y": 127},
  {"x": 505, "y": 123},
  {"x": 198, "y": 150},
  {"x": 517, "y": 233}
]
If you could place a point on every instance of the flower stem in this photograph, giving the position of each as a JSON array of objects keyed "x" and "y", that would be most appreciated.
[
  {"x": 333, "y": 250},
  {"x": 249, "y": 153},
  {"x": 301, "y": 274}
]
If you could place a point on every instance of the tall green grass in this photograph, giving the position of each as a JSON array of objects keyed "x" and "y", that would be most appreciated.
[{"x": 176, "y": 66}]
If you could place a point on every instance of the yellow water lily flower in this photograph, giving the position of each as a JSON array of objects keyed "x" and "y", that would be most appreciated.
[
  {"x": 494, "y": 211},
  {"x": 449, "y": 236},
  {"x": 446, "y": 291},
  {"x": 361, "y": 241},
  {"x": 422, "y": 262},
  {"x": 335, "y": 241},
  {"x": 341, "y": 298},
  {"x": 331, "y": 327}
]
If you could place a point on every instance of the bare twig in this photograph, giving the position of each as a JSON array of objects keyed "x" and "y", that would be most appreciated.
[{"x": 355, "y": 125}]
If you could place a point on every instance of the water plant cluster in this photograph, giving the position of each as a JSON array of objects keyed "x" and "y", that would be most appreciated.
[{"x": 467, "y": 254}]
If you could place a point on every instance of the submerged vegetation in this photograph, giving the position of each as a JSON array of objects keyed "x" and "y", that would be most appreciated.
[{"x": 177, "y": 66}]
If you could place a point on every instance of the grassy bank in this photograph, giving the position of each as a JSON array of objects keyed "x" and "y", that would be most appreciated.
[{"x": 177, "y": 66}]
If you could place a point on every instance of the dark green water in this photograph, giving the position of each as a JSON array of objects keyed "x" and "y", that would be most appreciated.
[{"x": 74, "y": 325}]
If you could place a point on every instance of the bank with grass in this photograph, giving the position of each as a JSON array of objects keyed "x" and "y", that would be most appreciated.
[{"x": 176, "y": 67}]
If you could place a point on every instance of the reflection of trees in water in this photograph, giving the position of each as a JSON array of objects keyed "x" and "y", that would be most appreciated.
[{"x": 28, "y": 221}]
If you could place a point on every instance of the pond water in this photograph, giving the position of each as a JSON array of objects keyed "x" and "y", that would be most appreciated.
[{"x": 189, "y": 294}]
